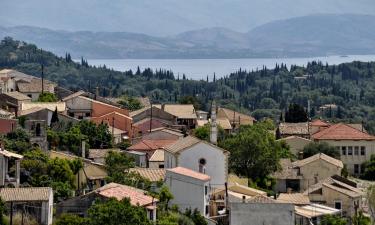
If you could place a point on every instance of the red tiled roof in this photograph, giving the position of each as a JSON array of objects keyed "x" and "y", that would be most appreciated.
[
  {"x": 319, "y": 123},
  {"x": 342, "y": 131},
  {"x": 147, "y": 145},
  {"x": 119, "y": 191},
  {"x": 190, "y": 173},
  {"x": 144, "y": 125}
]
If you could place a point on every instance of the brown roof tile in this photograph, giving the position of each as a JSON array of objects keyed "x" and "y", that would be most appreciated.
[
  {"x": 25, "y": 194},
  {"x": 153, "y": 175},
  {"x": 148, "y": 145},
  {"x": 342, "y": 131},
  {"x": 295, "y": 198},
  {"x": 319, "y": 156},
  {"x": 190, "y": 173}
]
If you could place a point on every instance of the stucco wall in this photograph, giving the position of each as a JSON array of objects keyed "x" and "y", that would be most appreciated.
[
  {"x": 350, "y": 160},
  {"x": 261, "y": 214},
  {"x": 296, "y": 144},
  {"x": 188, "y": 192},
  {"x": 216, "y": 162}
]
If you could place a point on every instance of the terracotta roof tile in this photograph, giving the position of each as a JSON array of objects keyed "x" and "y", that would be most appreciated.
[
  {"x": 153, "y": 175},
  {"x": 190, "y": 173},
  {"x": 119, "y": 191},
  {"x": 150, "y": 145},
  {"x": 158, "y": 156},
  {"x": 319, "y": 123},
  {"x": 25, "y": 194},
  {"x": 342, "y": 131}
]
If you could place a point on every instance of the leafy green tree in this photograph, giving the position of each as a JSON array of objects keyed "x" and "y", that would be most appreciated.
[
  {"x": 360, "y": 219},
  {"x": 70, "y": 219},
  {"x": 174, "y": 218},
  {"x": 203, "y": 132},
  {"x": 18, "y": 141},
  {"x": 320, "y": 147},
  {"x": 191, "y": 100},
  {"x": 2, "y": 212},
  {"x": 47, "y": 97},
  {"x": 295, "y": 114},
  {"x": 333, "y": 220},
  {"x": 117, "y": 163},
  {"x": 371, "y": 201},
  {"x": 369, "y": 173},
  {"x": 254, "y": 152},
  {"x": 55, "y": 117},
  {"x": 113, "y": 212},
  {"x": 130, "y": 103},
  {"x": 165, "y": 196},
  {"x": 196, "y": 217}
]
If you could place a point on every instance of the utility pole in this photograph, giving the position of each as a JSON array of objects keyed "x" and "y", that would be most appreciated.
[
  {"x": 151, "y": 118},
  {"x": 113, "y": 130},
  {"x": 42, "y": 64},
  {"x": 11, "y": 213}
]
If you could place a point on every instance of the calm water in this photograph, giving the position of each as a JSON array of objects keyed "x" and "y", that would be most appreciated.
[{"x": 200, "y": 68}]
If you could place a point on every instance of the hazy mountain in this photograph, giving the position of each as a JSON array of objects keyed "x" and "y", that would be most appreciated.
[
  {"x": 315, "y": 35},
  {"x": 166, "y": 17}
]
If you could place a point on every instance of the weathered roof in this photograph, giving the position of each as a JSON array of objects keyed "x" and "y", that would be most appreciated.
[
  {"x": 319, "y": 123},
  {"x": 5, "y": 114},
  {"x": 182, "y": 144},
  {"x": 10, "y": 154},
  {"x": 342, "y": 131},
  {"x": 158, "y": 156},
  {"x": 190, "y": 173},
  {"x": 101, "y": 153},
  {"x": 295, "y": 198},
  {"x": 235, "y": 117},
  {"x": 153, "y": 175},
  {"x": 35, "y": 86},
  {"x": 181, "y": 111},
  {"x": 319, "y": 156},
  {"x": 295, "y": 137},
  {"x": 315, "y": 210},
  {"x": 76, "y": 94},
  {"x": 336, "y": 185},
  {"x": 224, "y": 123},
  {"x": 168, "y": 130},
  {"x": 17, "y": 95},
  {"x": 287, "y": 170},
  {"x": 261, "y": 199},
  {"x": 344, "y": 191},
  {"x": 29, "y": 111},
  {"x": 15, "y": 74},
  {"x": 148, "y": 145},
  {"x": 294, "y": 128},
  {"x": 233, "y": 178},
  {"x": 25, "y": 194},
  {"x": 242, "y": 189},
  {"x": 119, "y": 191},
  {"x": 61, "y": 106}
]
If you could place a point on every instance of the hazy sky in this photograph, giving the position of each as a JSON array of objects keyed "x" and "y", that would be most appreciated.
[{"x": 166, "y": 17}]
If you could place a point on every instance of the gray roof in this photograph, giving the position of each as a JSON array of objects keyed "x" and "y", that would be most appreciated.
[
  {"x": 182, "y": 144},
  {"x": 17, "y": 95},
  {"x": 25, "y": 194}
]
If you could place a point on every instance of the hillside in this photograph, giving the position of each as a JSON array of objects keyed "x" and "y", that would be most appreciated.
[
  {"x": 166, "y": 17},
  {"x": 314, "y": 35},
  {"x": 264, "y": 93}
]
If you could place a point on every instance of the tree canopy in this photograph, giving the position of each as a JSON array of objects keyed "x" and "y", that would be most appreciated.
[
  {"x": 320, "y": 147},
  {"x": 369, "y": 173},
  {"x": 47, "y": 97}
]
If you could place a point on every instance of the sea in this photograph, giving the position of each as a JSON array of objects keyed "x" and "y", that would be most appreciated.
[{"x": 197, "y": 69}]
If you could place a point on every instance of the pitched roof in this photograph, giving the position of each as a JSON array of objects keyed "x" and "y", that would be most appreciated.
[
  {"x": 119, "y": 191},
  {"x": 261, "y": 199},
  {"x": 100, "y": 153},
  {"x": 295, "y": 137},
  {"x": 224, "y": 123},
  {"x": 182, "y": 144},
  {"x": 147, "y": 145},
  {"x": 75, "y": 94},
  {"x": 231, "y": 114},
  {"x": 294, "y": 128},
  {"x": 29, "y": 111},
  {"x": 190, "y": 173},
  {"x": 334, "y": 184},
  {"x": 315, "y": 210},
  {"x": 10, "y": 154},
  {"x": 158, "y": 156},
  {"x": 242, "y": 189},
  {"x": 287, "y": 170},
  {"x": 342, "y": 131},
  {"x": 35, "y": 86},
  {"x": 17, "y": 95},
  {"x": 25, "y": 194},
  {"x": 319, "y": 123},
  {"x": 344, "y": 191},
  {"x": 181, "y": 111},
  {"x": 319, "y": 156},
  {"x": 295, "y": 198},
  {"x": 153, "y": 175}
]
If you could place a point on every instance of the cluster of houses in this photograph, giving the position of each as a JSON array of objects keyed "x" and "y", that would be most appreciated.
[{"x": 195, "y": 171}]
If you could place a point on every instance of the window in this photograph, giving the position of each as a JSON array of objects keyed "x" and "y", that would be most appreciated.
[
  {"x": 202, "y": 165},
  {"x": 205, "y": 190},
  {"x": 356, "y": 169},
  {"x": 71, "y": 114},
  {"x": 161, "y": 166},
  {"x": 30, "y": 96},
  {"x": 363, "y": 150},
  {"x": 343, "y": 150},
  {"x": 337, "y": 204},
  {"x": 88, "y": 114},
  {"x": 350, "y": 150},
  {"x": 206, "y": 210},
  {"x": 356, "y": 150},
  {"x": 38, "y": 130}
]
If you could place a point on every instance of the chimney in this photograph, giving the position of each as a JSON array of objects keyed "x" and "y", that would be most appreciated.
[
  {"x": 243, "y": 198},
  {"x": 162, "y": 107},
  {"x": 213, "y": 132}
]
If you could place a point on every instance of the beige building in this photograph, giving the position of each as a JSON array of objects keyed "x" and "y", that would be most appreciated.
[
  {"x": 355, "y": 146},
  {"x": 293, "y": 129},
  {"x": 296, "y": 143},
  {"x": 231, "y": 119},
  {"x": 299, "y": 175},
  {"x": 337, "y": 192}
]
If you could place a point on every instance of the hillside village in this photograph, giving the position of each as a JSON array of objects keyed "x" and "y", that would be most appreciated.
[{"x": 64, "y": 154}]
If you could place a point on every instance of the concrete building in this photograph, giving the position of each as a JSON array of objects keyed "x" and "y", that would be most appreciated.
[
  {"x": 355, "y": 146},
  {"x": 185, "y": 113},
  {"x": 200, "y": 156},
  {"x": 261, "y": 210},
  {"x": 80, "y": 204},
  {"x": 38, "y": 133},
  {"x": 190, "y": 189},
  {"x": 8, "y": 160},
  {"x": 33, "y": 88},
  {"x": 296, "y": 144},
  {"x": 99, "y": 155},
  {"x": 337, "y": 192},
  {"x": 39, "y": 113},
  {"x": 12, "y": 101},
  {"x": 38, "y": 201},
  {"x": 299, "y": 175}
]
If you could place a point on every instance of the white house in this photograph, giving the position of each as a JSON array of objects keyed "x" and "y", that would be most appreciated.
[
  {"x": 200, "y": 156},
  {"x": 189, "y": 188}
]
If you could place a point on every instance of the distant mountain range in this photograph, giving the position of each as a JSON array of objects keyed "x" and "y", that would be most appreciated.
[
  {"x": 314, "y": 35},
  {"x": 166, "y": 17}
]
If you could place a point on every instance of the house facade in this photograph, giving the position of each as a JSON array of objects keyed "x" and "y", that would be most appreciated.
[
  {"x": 8, "y": 160},
  {"x": 200, "y": 156}
]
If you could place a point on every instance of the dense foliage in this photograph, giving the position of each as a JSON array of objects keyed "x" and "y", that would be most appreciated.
[
  {"x": 320, "y": 147},
  {"x": 369, "y": 173},
  {"x": 2, "y": 212},
  {"x": 70, "y": 219},
  {"x": 254, "y": 152},
  {"x": 265, "y": 92},
  {"x": 332, "y": 220},
  {"x": 47, "y": 97}
]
